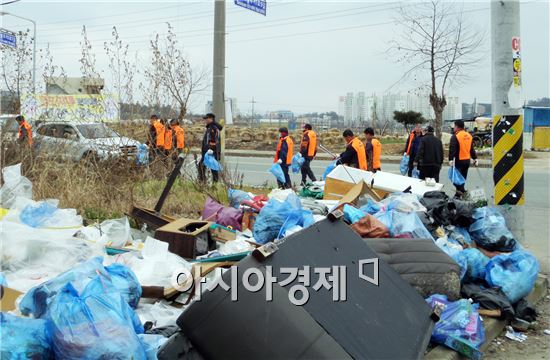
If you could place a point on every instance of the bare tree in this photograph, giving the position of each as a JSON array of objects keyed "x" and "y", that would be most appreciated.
[
  {"x": 122, "y": 70},
  {"x": 87, "y": 59},
  {"x": 439, "y": 47},
  {"x": 170, "y": 71},
  {"x": 16, "y": 69}
]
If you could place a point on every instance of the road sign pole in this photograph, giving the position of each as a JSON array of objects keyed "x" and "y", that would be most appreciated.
[
  {"x": 508, "y": 173},
  {"x": 218, "y": 80}
]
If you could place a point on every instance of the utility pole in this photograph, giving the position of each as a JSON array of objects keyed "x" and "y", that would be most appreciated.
[
  {"x": 508, "y": 170},
  {"x": 218, "y": 86},
  {"x": 253, "y": 102}
]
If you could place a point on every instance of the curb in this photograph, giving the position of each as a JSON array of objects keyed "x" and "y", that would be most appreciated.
[{"x": 493, "y": 327}]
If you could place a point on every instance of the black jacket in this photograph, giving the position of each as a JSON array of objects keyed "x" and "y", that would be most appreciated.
[
  {"x": 211, "y": 139},
  {"x": 348, "y": 157},
  {"x": 430, "y": 152}
]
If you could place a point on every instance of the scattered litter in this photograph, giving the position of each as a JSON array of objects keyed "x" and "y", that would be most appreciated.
[
  {"x": 14, "y": 185},
  {"x": 546, "y": 331},
  {"x": 514, "y": 335}
]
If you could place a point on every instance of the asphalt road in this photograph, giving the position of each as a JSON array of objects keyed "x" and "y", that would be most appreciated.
[{"x": 537, "y": 195}]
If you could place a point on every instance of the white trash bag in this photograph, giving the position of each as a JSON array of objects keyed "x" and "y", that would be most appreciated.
[{"x": 14, "y": 185}]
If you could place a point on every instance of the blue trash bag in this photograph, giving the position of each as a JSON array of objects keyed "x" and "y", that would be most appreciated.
[
  {"x": 489, "y": 230},
  {"x": 404, "y": 165},
  {"x": 36, "y": 214},
  {"x": 297, "y": 162},
  {"x": 24, "y": 338},
  {"x": 460, "y": 234},
  {"x": 37, "y": 299},
  {"x": 385, "y": 216},
  {"x": 514, "y": 273},
  {"x": 95, "y": 324},
  {"x": 353, "y": 214},
  {"x": 372, "y": 207},
  {"x": 3, "y": 281},
  {"x": 328, "y": 169},
  {"x": 459, "y": 327},
  {"x": 272, "y": 217},
  {"x": 408, "y": 223},
  {"x": 476, "y": 263},
  {"x": 300, "y": 217},
  {"x": 210, "y": 162},
  {"x": 142, "y": 157},
  {"x": 236, "y": 197},
  {"x": 277, "y": 171},
  {"x": 126, "y": 282},
  {"x": 151, "y": 344},
  {"x": 455, "y": 176},
  {"x": 416, "y": 173}
]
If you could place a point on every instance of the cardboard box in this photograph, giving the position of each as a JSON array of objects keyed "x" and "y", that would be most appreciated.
[
  {"x": 342, "y": 179},
  {"x": 222, "y": 233},
  {"x": 187, "y": 237},
  {"x": 8, "y": 297}
]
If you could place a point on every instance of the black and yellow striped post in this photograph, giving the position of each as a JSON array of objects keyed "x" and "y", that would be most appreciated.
[{"x": 508, "y": 174}]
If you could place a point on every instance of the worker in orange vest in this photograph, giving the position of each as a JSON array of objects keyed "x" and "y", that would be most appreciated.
[
  {"x": 354, "y": 155},
  {"x": 412, "y": 146},
  {"x": 283, "y": 156},
  {"x": 156, "y": 136},
  {"x": 308, "y": 150},
  {"x": 373, "y": 150},
  {"x": 25, "y": 130},
  {"x": 461, "y": 151},
  {"x": 168, "y": 141},
  {"x": 179, "y": 135}
]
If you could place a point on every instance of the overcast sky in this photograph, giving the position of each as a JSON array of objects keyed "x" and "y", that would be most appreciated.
[{"x": 301, "y": 56}]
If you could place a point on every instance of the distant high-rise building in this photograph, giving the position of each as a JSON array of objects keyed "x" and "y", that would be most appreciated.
[
  {"x": 208, "y": 107},
  {"x": 233, "y": 105}
]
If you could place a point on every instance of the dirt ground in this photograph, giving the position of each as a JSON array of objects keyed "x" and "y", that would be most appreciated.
[{"x": 537, "y": 345}]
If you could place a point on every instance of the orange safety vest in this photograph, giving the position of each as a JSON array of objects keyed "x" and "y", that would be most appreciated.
[
  {"x": 376, "y": 154},
  {"x": 290, "y": 146},
  {"x": 28, "y": 128},
  {"x": 411, "y": 139},
  {"x": 311, "y": 144},
  {"x": 179, "y": 134},
  {"x": 464, "y": 145},
  {"x": 159, "y": 128},
  {"x": 359, "y": 148},
  {"x": 168, "y": 139}
]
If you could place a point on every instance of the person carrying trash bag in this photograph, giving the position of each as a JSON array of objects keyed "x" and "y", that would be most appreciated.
[
  {"x": 429, "y": 157},
  {"x": 156, "y": 137},
  {"x": 412, "y": 146},
  {"x": 461, "y": 152},
  {"x": 283, "y": 156},
  {"x": 179, "y": 135},
  {"x": 308, "y": 150},
  {"x": 354, "y": 155},
  {"x": 373, "y": 151},
  {"x": 211, "y": 145}
]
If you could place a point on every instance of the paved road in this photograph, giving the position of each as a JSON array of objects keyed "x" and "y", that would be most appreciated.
[{"x": 537, "y": 204}]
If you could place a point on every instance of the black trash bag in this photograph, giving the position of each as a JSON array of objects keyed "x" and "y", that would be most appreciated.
[
  {"x": 525, "y": 310},
  {"x": 165, "y": 331},
  {"x": 463, "y": 213},
  {"x": 434, "y": 199},
  {"x": 428, "y": 221},
  {"x": 489, "y": 298},
  {"x": 179, "y": 347}
]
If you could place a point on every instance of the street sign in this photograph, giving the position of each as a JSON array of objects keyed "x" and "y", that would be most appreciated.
[
  {"x": 258, "y": 6},
  {"x": 8, "y": 38}
]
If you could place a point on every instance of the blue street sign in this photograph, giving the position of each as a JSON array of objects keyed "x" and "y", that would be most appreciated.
[
  {"x": 8, "y": 38},
  {"x": 258, "y": 6}
]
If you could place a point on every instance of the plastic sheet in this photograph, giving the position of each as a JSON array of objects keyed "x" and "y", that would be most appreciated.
[
  {"x": 489, "y": 230},
  {"x": 280, "y": 194},
  {"x": 297, "y": 162},
  {"x": 329, "y": 169},
  {"x": 24, "y": 338},
  {"x": 460, "y": 234},
  {"x": 236, "y": 197},
  {"x": 476, "y": 263},
  {"x": 273, "y": 216},
  {"x": 160, "y": 314},
  {"x": 210, "y": 162},
  {"x": 372, "y": 207},
  {"x": 115, "y": 232},
  {"x": 404, "y": 165},
  {"x": 277, "y": 171},
  {"x": 352, "y": 214},
  {"x": 460, "y": 326},
  {"x": 14, "y": 185},
  {"x": 235, "y": 247},
  {"x": 151, "y": 344},
  {"x": 404, "y": 202},
  {"x": 408, "y": 224},
  {"x": 455, "y": 176},
  {"x": 514, "y": 273},
  {"x": 36, "y": 215},
  {"x": 95, "y": 324}
]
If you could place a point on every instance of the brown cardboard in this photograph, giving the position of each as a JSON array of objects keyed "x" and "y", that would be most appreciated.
[
  {"x": 186, "y": 237},
  {"x": 336, "y": 189},
  {"x": 359, "y": 190},
  {"x": 8, "y": 297}
]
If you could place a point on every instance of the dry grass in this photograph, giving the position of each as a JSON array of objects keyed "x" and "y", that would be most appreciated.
[{"x": 107, "y": 189}]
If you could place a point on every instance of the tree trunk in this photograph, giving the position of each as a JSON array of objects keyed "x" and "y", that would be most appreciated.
[
  {"x": 438, "y": 122},
  {"x": 182, "y": 113}
]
